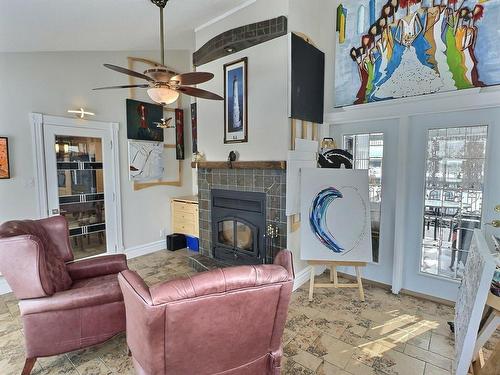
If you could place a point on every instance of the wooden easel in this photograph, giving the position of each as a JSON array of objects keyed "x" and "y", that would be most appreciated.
[
  {"x": 334, "y": 282},
  {"x": 492, "y": 322}
]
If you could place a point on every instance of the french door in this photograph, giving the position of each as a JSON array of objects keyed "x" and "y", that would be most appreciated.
[
  {"x": 453, "y": 188},
  {"x": 80, "y": 174},
  {"x": 374, "y": 146}
]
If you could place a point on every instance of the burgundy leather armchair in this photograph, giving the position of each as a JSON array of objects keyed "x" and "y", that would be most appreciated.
[
  {"x": 226, "y": 321},
  {"x": 64, "y": 305}
]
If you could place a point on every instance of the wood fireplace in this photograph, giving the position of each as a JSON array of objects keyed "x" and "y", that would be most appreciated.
[{"x": 238, "y": 226}]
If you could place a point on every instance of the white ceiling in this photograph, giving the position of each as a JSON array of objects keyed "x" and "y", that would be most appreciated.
[{"x": 102, "y": 25}]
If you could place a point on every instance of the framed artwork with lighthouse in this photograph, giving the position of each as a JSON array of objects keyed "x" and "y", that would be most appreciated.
[{"x": 236, "y": 101}]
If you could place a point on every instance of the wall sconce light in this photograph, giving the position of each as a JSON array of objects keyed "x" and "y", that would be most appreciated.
[{"x": 81, "y": 113}]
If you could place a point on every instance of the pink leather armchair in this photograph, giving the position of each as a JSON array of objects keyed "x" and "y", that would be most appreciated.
[
  {"x": 64, "y": 305},
  {"x": 227, "y": 321}
]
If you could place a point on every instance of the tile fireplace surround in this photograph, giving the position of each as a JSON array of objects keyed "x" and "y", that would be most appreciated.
[{"x": 269, "y": 181}]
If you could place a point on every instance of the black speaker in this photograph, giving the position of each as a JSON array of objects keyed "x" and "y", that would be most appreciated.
[{"x": 176, "y": 241}]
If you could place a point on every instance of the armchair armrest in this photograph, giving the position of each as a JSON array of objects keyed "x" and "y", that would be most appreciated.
[
  {"x": 98, "y": 266},
  {"x": 132, "y": 285},
  {"x": 29, "y": 278}
]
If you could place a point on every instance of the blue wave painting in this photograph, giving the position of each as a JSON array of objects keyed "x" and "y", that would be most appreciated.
[{"x": 317, "y": 218}]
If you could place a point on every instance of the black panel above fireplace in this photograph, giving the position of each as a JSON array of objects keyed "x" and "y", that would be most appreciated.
[{"x": 238, "y": 226}]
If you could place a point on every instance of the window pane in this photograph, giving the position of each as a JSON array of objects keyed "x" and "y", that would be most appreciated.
[
  {"x": 368, "y": 152},
  {"x": 453, "y": 198}
]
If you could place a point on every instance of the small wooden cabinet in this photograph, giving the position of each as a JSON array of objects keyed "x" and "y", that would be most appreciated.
[{"x": 185, "y": 217}]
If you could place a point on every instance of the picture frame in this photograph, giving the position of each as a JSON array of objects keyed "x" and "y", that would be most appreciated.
[
  {"x": 141, "y": 119},
  {"x": 179, "y": 134},
  {"x": 4, "y": 158},
  {"x": 236, "y": 109}
]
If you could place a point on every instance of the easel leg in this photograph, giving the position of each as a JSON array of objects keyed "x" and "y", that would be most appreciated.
[
  {"x": 335, "y": 276},
  {"x": 360, "y": 284},
  {"x": 311, "y": 284}
]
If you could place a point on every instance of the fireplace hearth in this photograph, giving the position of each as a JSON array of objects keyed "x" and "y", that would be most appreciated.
[{"x": 238, "y": 226}]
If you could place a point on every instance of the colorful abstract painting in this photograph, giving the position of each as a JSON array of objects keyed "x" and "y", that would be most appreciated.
[
  {"x": 4, "y": 158},
  {"x": 336, "y": 215},
  {"x": 401, "y": 48}
]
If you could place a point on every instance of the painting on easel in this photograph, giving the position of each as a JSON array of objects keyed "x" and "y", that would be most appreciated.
[{"x": 336, "y": 213}]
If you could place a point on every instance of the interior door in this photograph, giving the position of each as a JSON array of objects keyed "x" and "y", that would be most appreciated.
[
  {"x": 80, "y": 187},
  {"x": 453, "y": 188}
]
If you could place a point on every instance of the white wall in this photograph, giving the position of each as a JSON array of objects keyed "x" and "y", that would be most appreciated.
[
  {"x": 267, "y": 90},
  {"x": 51, "y": 83},
  {"x": 267, "y": 106}
]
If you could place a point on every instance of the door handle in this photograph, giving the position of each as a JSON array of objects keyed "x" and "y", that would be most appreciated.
[
  {"x": 497, "y": 208},
  {"x": 494, "y": 223},
  {"x": 55, "y": 211}
]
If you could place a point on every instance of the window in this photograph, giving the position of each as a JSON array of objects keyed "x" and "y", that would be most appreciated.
[
  {"x": 368, "y": 152},
  {"x": 453, "y": 198}
]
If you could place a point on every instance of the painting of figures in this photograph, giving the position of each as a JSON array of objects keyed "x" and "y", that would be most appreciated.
[
  {"x": 4, "y": 158},
  {"x": 402, "y": 48},
  {"x": 235, "y": 101}
]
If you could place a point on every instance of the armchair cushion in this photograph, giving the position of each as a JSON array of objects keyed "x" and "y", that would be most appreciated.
[
  {"x": 84, "y": 293},
  {"x": 53, "y": 274},
  {"x": 98, "y": 266}
]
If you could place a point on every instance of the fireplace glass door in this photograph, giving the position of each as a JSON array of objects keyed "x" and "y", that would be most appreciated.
[{"x": 236, "y": 234}]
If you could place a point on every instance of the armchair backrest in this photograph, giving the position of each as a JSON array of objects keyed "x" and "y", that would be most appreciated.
[
  {"x": 211, "y": 322},
  {"x": 33, "y": 255}
]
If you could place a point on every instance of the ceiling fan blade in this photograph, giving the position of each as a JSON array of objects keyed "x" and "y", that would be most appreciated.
[
  {"x": 199, "y": 93},
  {"x": 129, "y": 72},
  {"x": 192, "y": 78},
  {"x": 122, "y": 87}
]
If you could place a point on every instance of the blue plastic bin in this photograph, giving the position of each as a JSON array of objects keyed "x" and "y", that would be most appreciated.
[{"x": 192, "y": 243}]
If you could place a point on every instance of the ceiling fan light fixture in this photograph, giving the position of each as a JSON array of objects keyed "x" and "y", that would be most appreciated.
[{"x": 163, "y": 95}]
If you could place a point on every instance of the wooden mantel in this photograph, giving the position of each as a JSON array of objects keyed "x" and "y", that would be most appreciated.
[{"x": 264, "y": 164}]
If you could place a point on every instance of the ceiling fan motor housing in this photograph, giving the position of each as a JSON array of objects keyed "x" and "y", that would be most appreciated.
[{"x": 160, "y": 3}]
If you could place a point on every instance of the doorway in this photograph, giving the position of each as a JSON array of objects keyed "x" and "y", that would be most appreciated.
[
  {"x": 77, "y": 177},
  {"x": 453, "y": 188}
]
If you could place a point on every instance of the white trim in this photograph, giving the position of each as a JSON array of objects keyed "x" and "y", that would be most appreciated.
[
  {"x": 304, "y": 276},
  {"x": 4, "y": 286},
  {"x": 38, "y": 120},
  {"x": 400, "y": 211},
  {"x": 301, "y": 278},
  {"x": 137, "y": 251},
  {"x": 224, "y": 15},
  {"x": 470, "y": 99}
]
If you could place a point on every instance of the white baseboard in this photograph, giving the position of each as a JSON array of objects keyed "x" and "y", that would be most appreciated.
[
  {"x": 4, "y": 287},
  {"x": 137, "y": 251},
  {"x": 304, "y": 276},
  {"x": 131, "y": 252}
]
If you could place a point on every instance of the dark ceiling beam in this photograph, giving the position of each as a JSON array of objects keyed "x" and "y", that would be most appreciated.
[{"x": 240, "y": 38}]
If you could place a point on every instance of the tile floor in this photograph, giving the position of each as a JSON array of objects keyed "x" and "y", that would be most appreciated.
[{"x": 333, "y": 335}]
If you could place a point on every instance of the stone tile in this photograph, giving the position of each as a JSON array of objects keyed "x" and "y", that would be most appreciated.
[
  {"x": 429, "y": 357},
  {"x": 395, "y": 363},
  {"x": 328, "y": 369},
  {"x": 291, "y": 367},
  {"x": 433, "y": 370},
  {"x": 332, "y": 350},
  {"x": 306, "y": 359},
  {"x": 442, "y": 345},
  {"x": 358, "y": 368}
]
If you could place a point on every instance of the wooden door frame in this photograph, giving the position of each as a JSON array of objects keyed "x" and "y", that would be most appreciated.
[{"x": 37, "y": 121}]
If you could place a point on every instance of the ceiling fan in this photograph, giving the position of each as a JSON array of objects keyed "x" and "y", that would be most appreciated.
[{"x": 163, "y": 85}]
